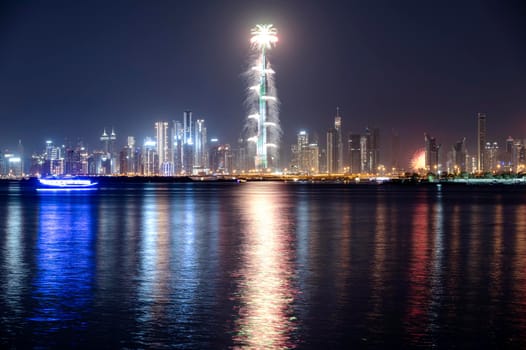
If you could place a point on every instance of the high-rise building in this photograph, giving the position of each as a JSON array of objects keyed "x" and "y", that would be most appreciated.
[
  {"x": 129, "y": 158},
  {"x": 431, "y": 154},
  {"x": 164, "y": 149},
  {"x": 187, "y": 154},
  {"x": 355, "y": 159},
  {"x": 309, "y": 159},
  {"x": 374, "y": 150},
  {"x": 370, "y": 151},
  {"x": 109, "y": 159},
  {"x": 508, "y": 155},
  {"x": 54, "y": 161},
  {"x": 518, "y": 156},
  {"x": 177, "y": 145},
  {"x": 338, "y": 142},
  {"x": 490, "y": 156},
  {"x": 264, "y": 120},
  {"x": 239, "y": 157},
  {"x": 481, "y": 140},
  {"x": 220, "y": 157},
  {"x": 187, "y": 127},
  {"x": 459, "y": 157},
  {"x": 105, "y": 141},
  {"x": 72, "y": 161},
  {"x": 365, "y": 161},
  {"x": 149, "y": 158},
  {"x": 302, "y": 139},
  {"x": 21, "y": 154},
  {"x": 395, "y": 151},
  {"x": 332, "y": 161},
  {"x": 200, "y": 147}
]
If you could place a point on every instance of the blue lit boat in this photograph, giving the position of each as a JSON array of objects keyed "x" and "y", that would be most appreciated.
[{"x": 66, "y": 183}]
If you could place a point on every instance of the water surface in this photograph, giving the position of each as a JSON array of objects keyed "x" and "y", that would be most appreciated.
[{"x": 263, "y": 265}]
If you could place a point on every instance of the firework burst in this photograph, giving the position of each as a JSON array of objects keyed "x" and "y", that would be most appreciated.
[{"x": 262, "y": 125}]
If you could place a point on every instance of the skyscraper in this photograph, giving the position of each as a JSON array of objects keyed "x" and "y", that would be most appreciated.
[
  {"x": 481, "y": 140},
  {"x": 508, "y": 155},
  {"x": 302, "y": 139},
  {"x": 200, "y": 147},
  {"x": 338, "y": 142},
  {"x": 459, "y": 156},
  {"x": 263, "y": 120},
  {"x": 332, "y": 162},
  {"x": 187, "y": 151},
  {"x": 490, "y": 156},
  {"x": 374, "y": 150},
  {"x": 355, "y": 154},
  {"x": 109, "y": 157},
  {"x": 164, "y": 149},
  {"x": 365, "y": 144},
  {"x": 149, "y": 159},
  {"x": 395, "y": 151},
  {"x": 105, "y": 141},
  {"x": 431, "y": 155},
  {"x": 177, "y": 145}
]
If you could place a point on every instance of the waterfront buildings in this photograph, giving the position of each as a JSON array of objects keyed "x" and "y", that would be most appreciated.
[
  {"x": 182, "y": 147},
  {"x": 459, "y": 157},
  {"x": 355, "y": 153},
  {"x": 431, "y": 155},
  {"x": 481, "y": 141}
]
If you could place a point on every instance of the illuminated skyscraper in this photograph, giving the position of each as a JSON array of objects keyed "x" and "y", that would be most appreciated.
[
  {"x": 338, "y": 156},
  {"x": 54, "y": 161},
  {"x": 263, "y": 121},
  {"x": 105, "y": 141},
  {"x": 490, "y": 156},
  {"x": 355, "y": 156},
  {"x": 187, "y": 149},
  {"x": 370, "y": 151},
  {"x": 187, "y": 128},
  {"x": 459, "y": 156},
  {"x": 109, "y": 157},
  {"x": 481, "y": 140},
  {"x": 305, "y": 155},
  {"x": 177, "y": 145},
  {"x": 432, "y": 149},
  {"x": 332, "y": 161},
  {"x": 128, "y": 158},
  {"x": 200, "y": 147},
  {"x": 149, "y": 159},
  {"x": 164, "y": 149},
  {"x": 365, "y": 161}
]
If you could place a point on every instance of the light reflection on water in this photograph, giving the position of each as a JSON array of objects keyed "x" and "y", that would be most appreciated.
[
  {"x": 62, "y": 286},
  {"x": 265, "y": 290},
  {"x": 263, "y": 265}
]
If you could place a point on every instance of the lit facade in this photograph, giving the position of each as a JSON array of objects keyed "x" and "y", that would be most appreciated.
[
  {"x": 481, "y": 141},
  {"x": 432, "y": 154}
]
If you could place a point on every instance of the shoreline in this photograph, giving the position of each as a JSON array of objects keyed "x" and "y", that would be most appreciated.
[{"x": 105, "y": 181}]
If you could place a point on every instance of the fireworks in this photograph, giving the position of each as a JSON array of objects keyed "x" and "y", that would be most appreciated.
[
  {"x": 263, "y": 119},
  {"x": 264, "y": 36},
  {"x": 418, "y": 161}
]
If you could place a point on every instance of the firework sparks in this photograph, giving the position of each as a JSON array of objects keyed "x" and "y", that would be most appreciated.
[
  {"x": 264, "y": 36},
  {"x": 263, "y": 120},
  {"x": 418, "y": 161}
]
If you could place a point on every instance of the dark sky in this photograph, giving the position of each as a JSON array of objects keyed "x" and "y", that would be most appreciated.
[{"x": 70, "y": 68}]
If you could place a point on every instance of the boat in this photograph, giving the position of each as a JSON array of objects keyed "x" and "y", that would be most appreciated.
[{"x": 66, "y": 183}]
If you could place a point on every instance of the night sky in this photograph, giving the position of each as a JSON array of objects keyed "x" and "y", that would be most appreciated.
[{"x": 70, "y": 68}]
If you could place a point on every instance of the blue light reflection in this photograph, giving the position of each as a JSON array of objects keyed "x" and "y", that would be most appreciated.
[{"x": 64, "y": 264}]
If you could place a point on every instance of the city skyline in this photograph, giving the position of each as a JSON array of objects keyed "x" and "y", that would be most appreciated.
[{"x": 70, "y": 70}]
